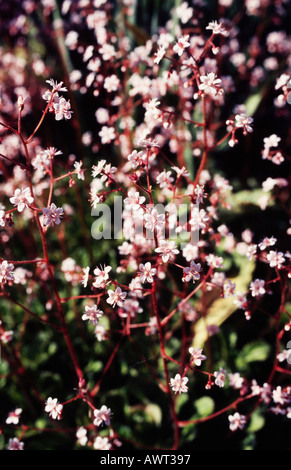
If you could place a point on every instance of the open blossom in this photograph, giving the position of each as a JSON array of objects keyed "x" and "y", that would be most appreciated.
[
  {"x": 6, "y": 271},
  {"x": 52, "y": 215},
  {"x": 107, "y": 134},
  {"x": 191, "y": 272},
  {"x": 181, "y": 45},
  {"x": 245, "y": 122},
  {"x": 102, "y": 275},
  {"x": 220, "y": 377},
  {"x": 167, "y": 249},
  {"x": 81, "y": 436},
  {"x": 79, "y": 170},
  {"x": 102, "y": 443},
  {"x": 210, "y": 84},
  {"x": 111, "y": 83},
  {"x": 197, "y": 355},
  {"x": 62, "y": 109},
  {"x": 217, "y": 28},
  {"x": 237, "y": 421},
  {"x": 199, "y": 218},
  {"x": 164, "y": 179},
  {"x": 116, "y": 297},
  {"x": 13, "y": 417},
  {"x": 257, "y": 287},
  {"x": 22, "y": 198},
  {"x": 159, "y": 54},
  {"x": 15, "y": 444},
  {"x": 275, "y": 259},
  {"x": 92, "y": 313},
  {"x": 102, "y": 416},
  {"x": 133, "y": 200},
  {"x": 154, "y": 220},
  {"x": 146, "y": 272},
  {"x": 54, "y": 408},
  {"x": 178, "y": 384}
]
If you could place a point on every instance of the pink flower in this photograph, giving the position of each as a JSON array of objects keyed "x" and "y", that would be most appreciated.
[
  {"x": 107, "y": 134},
  {"x": 220, "y": 377},
  {"x": 15, "y": 444},
  {"x": 236, "y": 421},
  {"x": 92, "y": 314},
  {"x": 6, "y": 273},
  {"x": 217, "y": 28},
  {"x": 22, "y": 198},
  {"x": 54, "y": 408},
  {"x": 52, "y": 215},
  {"x": 210, "y": 84},
  {"x": 192, "y": 272},
  {"x": 257, "y": 287},
  {"x": 13, "y": 417},
  {"x": 146, "y": 272},
  {"x": 154, "y": 220},
  {"x": 116, "y": 297},
  {"x": 181, "y": 45},
  {"x": 178, "y": 384},
  {"x": 102, "y": 443},
  {"x": 102, "y": 275},
  {"x": 167, "y": 249},
  {"x": 62, "y": 109},
  {"x": 102, "y": 416},
  {"x": 197, "y": 355}
]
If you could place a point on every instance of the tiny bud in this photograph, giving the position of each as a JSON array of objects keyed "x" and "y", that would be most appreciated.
[{"x": 20, "y": 102}]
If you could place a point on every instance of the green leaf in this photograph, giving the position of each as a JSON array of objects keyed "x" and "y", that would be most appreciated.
[
  {"x": 204, "y": 406},
  {"x": 154, "y": 412},
  {"x": 257, "y": 422},
  {"x": 256, "y": 351}
]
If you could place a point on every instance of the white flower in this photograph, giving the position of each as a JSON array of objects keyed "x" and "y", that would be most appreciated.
[
  {"x": 181, "y": 45},
  {"x": 92, "y": 314},
  {"x": 102, "y": 275},
  {"x": 102, "y": 443},
  {"x": 210, "y": 84},
  {"x": 167, "y": 249},
  {"x": 146, "y": 272},
  {"x": 54, "y": 408},
  {"x": 197, "y": 355},
  {"x": 107, "y": 134},
  {"x": 217, "y": 28},
  {"x": 271, "y": 141},
  {"x": 102, "y": 416},
  {"x": 245, "y": 122},
  {"x": 220, "y": 377},
  {"x": 276, "y": 259},
  {"x": 133, "y": 200},
  {"x": 85, "y": 276},
  {"x": 81, "y": 436},
  {"x": 154, "y": 220},
  {"x": 237, "y": 421},
  {"x": 22, "y": 198},
  {"x": 199, "y": 218},
  {"x": 257, "y": 287},
  {"x": 159, "y": 55},
  {"x": 6, "y": 273},
  {"x": 116, "y": 297},
  {"x": 15, "y": 444},
  {"x": 191, "y": 272},
  {"x": 178, "y": 384},
  {"x": 80, "y": 171},
  {"x": 13, "y": 417},
  {"x": 62, "y": 109},
  {"x": 52, "y": 215}
]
